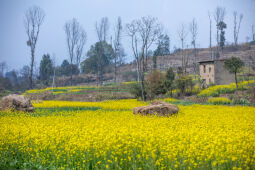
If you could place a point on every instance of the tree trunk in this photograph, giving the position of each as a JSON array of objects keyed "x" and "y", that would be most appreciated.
[
  {"x": 31, "y": 69},
  {"x": 115, "y": 69},
  {"x": 211, "y": 40},
  {"x": 143, "y": 88},
  {"x": 97, "y": 78},
  {"x": 236, "y": 80},
  {"x": 143, "y": 68},
  {"x": 195, "y": 61},
  {"x": 137, "y": 71},
  {"x": 71, "y": 74}
]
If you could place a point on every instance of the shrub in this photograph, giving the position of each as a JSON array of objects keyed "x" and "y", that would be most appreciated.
[
  {"x": 169, "y": 80},
  {"x": 136, "y": 90},
  {"x": 154, "y": 84},
  {"x": 183, "y": 83},
  {"x": 241, "y": 101},
  {"x": 219, "y": 100}
]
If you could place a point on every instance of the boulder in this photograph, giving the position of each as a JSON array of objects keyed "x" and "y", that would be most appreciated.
[
  {"x": 17, "y": 102},
  {"x": 157, "y": 108}
]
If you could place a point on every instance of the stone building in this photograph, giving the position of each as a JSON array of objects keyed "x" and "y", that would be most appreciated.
[{"x": 214, "y": 72}]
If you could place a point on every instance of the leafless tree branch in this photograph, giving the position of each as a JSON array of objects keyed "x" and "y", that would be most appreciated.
[{"x": 33, "y": 20}]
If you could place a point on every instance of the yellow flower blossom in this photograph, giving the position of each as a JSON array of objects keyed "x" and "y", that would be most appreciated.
[{"x": 199, "y": 136}]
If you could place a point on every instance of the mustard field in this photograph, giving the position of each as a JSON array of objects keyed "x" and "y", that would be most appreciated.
[{"x": 106, "y": 135}]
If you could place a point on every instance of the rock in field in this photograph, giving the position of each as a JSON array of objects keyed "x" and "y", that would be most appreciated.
[
  {"x": 17, "y": 102},
  {"x": 158, "y": 108}
]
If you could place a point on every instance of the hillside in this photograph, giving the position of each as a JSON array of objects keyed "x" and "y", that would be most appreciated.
[
  {"x": 127, "y": 72},
  {"x": 244, "y": 51}
]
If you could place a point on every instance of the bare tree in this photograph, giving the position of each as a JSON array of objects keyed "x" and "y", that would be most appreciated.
[
  {"x": 33, "y": 20},
  {"x": 237, "y": 25},
  {"x": 118, "y": 50},
  {"x": 210, "y": 44},
  {"x": 102, "y": 29},
  {"x": 76, "y": 38},
  {"x": 80, "y": 46},
  {"x": 102, "y": 33},
  {"x": 219, "y": 16},
  {"x": 143, "y": 33},
  {"x": 182, "y": 33},
  {"x": 194, "y": 32},
  {"x": 132, "y": 33}
]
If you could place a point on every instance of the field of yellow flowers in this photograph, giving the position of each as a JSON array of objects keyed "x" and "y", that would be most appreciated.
[
  {"x": 106, "y": 135},
  {"x": 223, "y": 89}
]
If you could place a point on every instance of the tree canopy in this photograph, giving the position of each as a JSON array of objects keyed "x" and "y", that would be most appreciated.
[
  {"x": 234, "y": 65},
  {"x": 100, "y": 55},
  {"x": 46, "y": 69},
  {"x": 65, "y": 69}
]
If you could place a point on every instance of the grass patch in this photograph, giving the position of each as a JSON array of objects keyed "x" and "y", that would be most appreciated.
[{"x": 64, "y": 111}]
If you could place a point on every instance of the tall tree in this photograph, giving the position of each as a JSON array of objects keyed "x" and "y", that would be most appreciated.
[
  {"x": 221, "y": 26},
  {"x": 163, "y": 48},
  {"x": 237, "y": 24},
  {"x": 76, "y": 38},
  {"x": 102, "y": 34},
  {"x": 102, "y": 29},
  {"x": 100, "y": 56},
  {"x": 80, "y": 45},
  {"x": 182, "y": 33},
  {"x": 194, "y": 32},
  {"x": 118, "y": 49},
  {"x": 143, "y": 33},
  {"x": 163, "y": 45},
  {"x": 210, "y": 43},
  {"x": 34, "y": 17},
  {"x": 234, "y": 65},
  {"x": 46, "y": 69},
  {"x": 219, "y": 16},
  {"x": 132, "y": 31}
]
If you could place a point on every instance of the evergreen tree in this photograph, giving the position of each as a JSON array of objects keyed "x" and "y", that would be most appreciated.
[
  {"x": 100, "y": 56},
  {"x": 169, "y": 80},
  {"x": 46, "y": 69},
  {"x": 163, "y": 48},
  {"x": 221, "y": 26}
]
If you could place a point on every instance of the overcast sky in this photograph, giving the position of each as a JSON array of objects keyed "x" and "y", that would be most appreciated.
[{"x": 171, "y": 13}]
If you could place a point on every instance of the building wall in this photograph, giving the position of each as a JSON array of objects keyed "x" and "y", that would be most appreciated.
[
  {"x": 207, "y": 72},
  {"x": 222, "y": 76}
]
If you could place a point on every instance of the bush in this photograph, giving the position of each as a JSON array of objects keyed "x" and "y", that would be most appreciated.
[
  {"x": 241, "y": 101},
  {"x": 219, "y": 100},
  {"x": 136, "y": 90},
  {"x": 169, "y": 81},
  {"x": 183, "y": 83},
  {"x": 154, "y": 84}
]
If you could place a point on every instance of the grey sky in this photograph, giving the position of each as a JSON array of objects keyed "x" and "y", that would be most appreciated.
[{"x": 171, "y": 13}]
